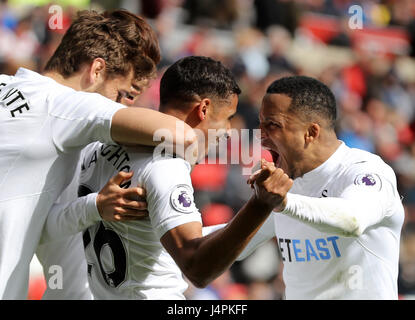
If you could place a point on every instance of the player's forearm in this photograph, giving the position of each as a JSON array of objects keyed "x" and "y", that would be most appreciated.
[
  {"x": 141, "y": 126},
  {"x": 340, "y": 216},
  {"x": 216, "y": 252},
  {"x": 70, "y": 218}
]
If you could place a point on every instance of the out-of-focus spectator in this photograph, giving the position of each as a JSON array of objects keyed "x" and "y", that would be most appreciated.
[
  {"x": 7, "y": 18},
  {"x": 252, "y": 52},
  {"x": 212, "y": 13},
  {"x": 222, "y": 288},
  {"x": 279, "y": 40},
  {"x": 276, "y": 12}
]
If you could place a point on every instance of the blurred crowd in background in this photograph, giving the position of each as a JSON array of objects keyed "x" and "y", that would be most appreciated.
[{"x": 371, "y": 71}]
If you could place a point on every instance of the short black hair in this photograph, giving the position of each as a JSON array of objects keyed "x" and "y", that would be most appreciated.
[
  {"x": 309, "y": 97},
  {"x": 196, "y": 76}
]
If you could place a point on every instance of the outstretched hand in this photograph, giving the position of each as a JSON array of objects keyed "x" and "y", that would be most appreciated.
[
  {"x": 117, "y": 204},
  {"x": 271, "y": 185}
]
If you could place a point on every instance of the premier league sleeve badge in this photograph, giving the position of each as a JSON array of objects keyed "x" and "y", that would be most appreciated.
[
  {"x": 181, "y": 199},
  {"x": 369, "y": 180}
]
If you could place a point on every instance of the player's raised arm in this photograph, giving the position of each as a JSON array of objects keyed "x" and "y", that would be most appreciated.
[
  {"x": 120, "y": 75},
  {"x": 263, "y": 235},
  {"x": 142, "y": 126},
  {"x": 202, "y": 259},
  {"x": 360, "y": 206}
]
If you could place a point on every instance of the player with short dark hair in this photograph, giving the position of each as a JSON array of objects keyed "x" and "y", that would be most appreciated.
[
  {"x": 339, "y": 229},
  {"x": 310, "y": 98},
  {"x": 182, "y": 81}
]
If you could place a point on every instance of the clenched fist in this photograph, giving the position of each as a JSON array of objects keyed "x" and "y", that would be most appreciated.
[{"x": 271, "y": 185}]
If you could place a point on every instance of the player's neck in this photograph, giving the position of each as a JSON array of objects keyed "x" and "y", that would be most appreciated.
[
  {"x": 73, "y": 82},
  {"x": 321, "y": 153},
  {"x": 175, "y": 113},
  {"x": 185, "y": 111}
]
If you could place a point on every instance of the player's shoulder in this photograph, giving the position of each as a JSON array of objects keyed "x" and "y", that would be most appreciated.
[
  {"x": 4, "y": 79},
  {"x": 357, "y": 159},
  {"x": 37, "y": 90},
  {"x": 169, "y": 161},
  {"x": 165, "y": 167},
  {"x": 139, "y": 157},
  {"x": 32, "y": 81},
  {"x": 365, "y": 168}
]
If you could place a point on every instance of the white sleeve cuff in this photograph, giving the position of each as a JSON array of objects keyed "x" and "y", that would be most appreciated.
[{"x": 92, "y": 213}]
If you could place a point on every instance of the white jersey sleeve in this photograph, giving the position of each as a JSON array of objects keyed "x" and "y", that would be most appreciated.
[
  {"x": 67, "y": 219},
  {"x": 169, "y": 194},
  {"x": 80, "y": 118},
  {"x": 366, "y": 199}
]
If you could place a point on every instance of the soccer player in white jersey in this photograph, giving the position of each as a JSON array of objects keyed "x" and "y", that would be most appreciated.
[
  {"x": 145, "y": 259},
  {"x": 45, "y": 121},
  {"x": 68, "y": 253},
  {"x": 340, "y": 229}
]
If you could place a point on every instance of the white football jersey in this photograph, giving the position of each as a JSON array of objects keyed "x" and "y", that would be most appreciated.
[
  {"x": 126, "y": 259},
  {"x": 43, "y": 127},
  {"x": 321, "y": 264}
]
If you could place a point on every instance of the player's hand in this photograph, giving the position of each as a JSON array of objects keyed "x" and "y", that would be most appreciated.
[
  {"x": 117, "y": 204},
  {"x": 271, "y": 185}
]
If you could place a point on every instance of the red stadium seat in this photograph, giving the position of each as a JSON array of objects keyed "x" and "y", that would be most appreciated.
[
  {"x": 209, "y": 177},
  {"x": 216, "y": 213}
]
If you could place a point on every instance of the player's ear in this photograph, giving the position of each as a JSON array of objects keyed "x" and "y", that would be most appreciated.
[
  {"x": 312, "y": 133},
  {"x": 97, "y": 71},
  {"x": 203, "y": 108}
]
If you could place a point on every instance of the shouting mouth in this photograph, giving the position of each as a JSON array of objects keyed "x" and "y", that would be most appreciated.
[{"x": 275, "y": 158}]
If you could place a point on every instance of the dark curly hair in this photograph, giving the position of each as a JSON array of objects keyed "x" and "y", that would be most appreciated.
[
  {"x": 196, "y": 76},
  {"x": 310, "y": 97}
]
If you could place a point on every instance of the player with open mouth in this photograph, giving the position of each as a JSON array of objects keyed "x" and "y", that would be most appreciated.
[{"x": 339, "y": 230}]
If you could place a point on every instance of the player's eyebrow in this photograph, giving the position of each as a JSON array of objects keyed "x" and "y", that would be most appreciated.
[{"x": 271, "y": 117}]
